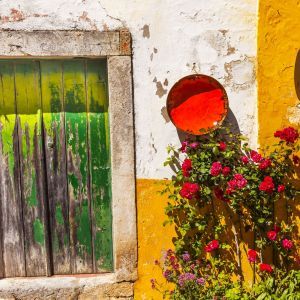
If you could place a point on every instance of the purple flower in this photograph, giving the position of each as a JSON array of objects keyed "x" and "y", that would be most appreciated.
[
  {"x": 167, "y": 274},
  {"x": 186, "y": 256},
  {"x": 200, "y": 281},
  {"x": 183, "y": 278}
]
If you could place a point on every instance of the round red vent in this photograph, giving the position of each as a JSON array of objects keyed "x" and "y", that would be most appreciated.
[{"x": 197, "y": 104}]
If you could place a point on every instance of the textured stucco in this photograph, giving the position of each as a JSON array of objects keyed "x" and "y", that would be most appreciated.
[
  {"x": 278, "y": 45},
  {"x": 171, "y": 39}
]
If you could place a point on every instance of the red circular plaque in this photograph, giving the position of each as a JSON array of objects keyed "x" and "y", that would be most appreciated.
[{"x": 197, "y": 104}]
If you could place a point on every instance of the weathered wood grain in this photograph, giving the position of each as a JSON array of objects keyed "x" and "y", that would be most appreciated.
[
  {"x": 56, "y": 173},
  {"x": 99, "y": 148},
  {"x": 55, "y": 153},
  {"x": 28, "y": 102},
  {"x": 77, "y": 166},
  {"x": 11, "y": 207}
]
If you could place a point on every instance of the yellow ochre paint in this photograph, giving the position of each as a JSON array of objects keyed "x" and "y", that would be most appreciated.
[
  {"x": 278, "y": 44},
  {"x": 153, "y": 237}
]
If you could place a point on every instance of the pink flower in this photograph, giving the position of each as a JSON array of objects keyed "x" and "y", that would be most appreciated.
[
  {"x": 287, "y": 244},
  {"x": 245, "y": 160},
  {"x": 222, "y": 146},
  {"x": 216, "y": 168},
  {"x": 255, "y": 156},
  {"x": 288, "y": 134},
  {"x": 252, "y": 255},
  {"x": 267, "y": 185},
  {"x": 211, "y": 246},
  {"x": 194, "y": 145},
  {"x": 186, "y": 167},
  {"x": 226, "y": 171},
  {"x": 240, "y": 181},
  {"x": 266, "y": 268},
  {"x": 189, "y": 190},
  {"x": 280, "y": 188},
  {"x": 272, "y": 235},
  {"x": 264, "y": 164}
]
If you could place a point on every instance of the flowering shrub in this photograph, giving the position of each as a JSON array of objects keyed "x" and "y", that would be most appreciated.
[{"x": 223, "y": 189}]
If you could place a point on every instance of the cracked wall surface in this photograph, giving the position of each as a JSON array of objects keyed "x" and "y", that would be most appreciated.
[{"x": 171, "y": 39}]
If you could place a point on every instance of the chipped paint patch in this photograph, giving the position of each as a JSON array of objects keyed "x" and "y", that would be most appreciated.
[
  {"x": 160, "y": 91},
  {"x": 293, "y": 115},
  {"x": 240, "y": 73},
  {"x": 146, "y": 31},
  {"x": 164, "y": 113}
]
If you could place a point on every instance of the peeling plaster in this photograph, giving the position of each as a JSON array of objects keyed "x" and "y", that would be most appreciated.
[
  {"x": 146, "y": 31},
  {"x": 201, "y": 37},
  {"x": 165, "y": 114},
  {"x": 160, "y": 91},
  {"x": 293, "y": 115}
]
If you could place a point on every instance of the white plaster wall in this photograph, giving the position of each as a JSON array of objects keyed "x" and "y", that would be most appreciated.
[{"x": 171, "y": 39}]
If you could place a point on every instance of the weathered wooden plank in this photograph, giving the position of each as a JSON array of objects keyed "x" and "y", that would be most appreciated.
[
  {"x": 99, "y": 147},
  {"x": 77, "y": 166},
  {"x": 10, "y": 198},
  {"x": 55, "y": 153},
  {"x": 28, "y": 101}
]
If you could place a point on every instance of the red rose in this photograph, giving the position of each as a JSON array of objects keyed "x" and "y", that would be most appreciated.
[
  {"x": 287, "y": 244},
  {"x": 288, "y": 134},
  {"x": 189, "y": 190},
  {"x": 277, "y": 228},
  {"x": 184, "y": 146},
  {"x": 226, "y": 171},
  {"x": 280, "y": 188},
  {"x": 266, "y": 268},
  {"x": 186, "y": 167},
  {"x": 240, "y": 180},
  {"x": 267, "y": 185},
  {"x": 252, "y": 255},
  {"x": 272, "y": 235},
  {"x": 296, "y": 159},
  {"x": 255, "y": 156},
  {"x": 211, "y": 246},
  {"x": 245, "y": 160},
  {"x": 216, "y": 168},
  {"x": 220, "y": 195},
  {"x": 222, "y": 146},
  {"x": 264, "y": 164}
]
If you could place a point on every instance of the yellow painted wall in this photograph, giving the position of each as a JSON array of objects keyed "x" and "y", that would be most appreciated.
[
  {"x": 153, "y": 238},
  {"x": 278, "y": 44}
]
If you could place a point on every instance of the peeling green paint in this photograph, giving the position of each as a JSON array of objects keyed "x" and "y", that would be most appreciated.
[
  {"x": 74, "y": 110},
  {"x": 59, "y": 215},
  {"x": 39, "y": 234}
]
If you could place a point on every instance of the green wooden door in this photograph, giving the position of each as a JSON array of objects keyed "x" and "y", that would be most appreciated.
[{"x": 55, "y": 194}]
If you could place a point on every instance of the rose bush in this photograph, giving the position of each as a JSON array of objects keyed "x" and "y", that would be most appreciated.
[{"x": 221, "y": 190}]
